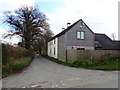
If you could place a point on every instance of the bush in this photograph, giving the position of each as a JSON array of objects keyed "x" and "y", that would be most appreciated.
[
  {"x": 14, "y": 53},
  {"x": 82, "y": 63},
  {"x": 14, "y": 59},
  {"x": 15, "y": 65}
]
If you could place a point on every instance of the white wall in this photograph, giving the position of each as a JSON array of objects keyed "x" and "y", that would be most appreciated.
[{"x": 51, "y": 46}]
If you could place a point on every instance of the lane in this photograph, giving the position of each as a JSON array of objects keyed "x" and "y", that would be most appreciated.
[{"x": 47, "y": 74}]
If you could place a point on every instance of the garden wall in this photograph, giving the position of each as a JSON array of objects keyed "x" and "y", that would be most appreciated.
[{"x": 91, "y": 55}]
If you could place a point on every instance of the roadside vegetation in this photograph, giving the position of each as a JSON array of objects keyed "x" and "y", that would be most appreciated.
[
  {"x": 14, "y": 59},
  {"x": 30, "y": 25},
  {"x": 109, "y": 64}
]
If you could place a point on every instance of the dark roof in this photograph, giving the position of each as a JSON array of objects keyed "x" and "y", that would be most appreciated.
[
  {"x": 64, "y": 31},
  {"x": 105, "y": 42},
  {"x": 117, "y": 44},
  {"x": 68, "y": 28}
]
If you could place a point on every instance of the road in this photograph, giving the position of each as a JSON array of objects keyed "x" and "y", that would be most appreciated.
[{"x": 43, "y": 73}]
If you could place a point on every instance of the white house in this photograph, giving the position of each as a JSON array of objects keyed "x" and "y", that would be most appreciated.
[{"x": 53, "y": 48}]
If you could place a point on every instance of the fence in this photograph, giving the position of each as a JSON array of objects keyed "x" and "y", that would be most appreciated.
[{"x": 91, "y": 55}]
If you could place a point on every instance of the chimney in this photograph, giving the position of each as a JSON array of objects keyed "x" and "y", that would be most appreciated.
[
  {"x": 68, "y": 24},
  {"x": 63, "y": 28}
]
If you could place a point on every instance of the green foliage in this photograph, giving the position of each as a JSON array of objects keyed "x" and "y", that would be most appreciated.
[
  {"x": 109, "y": 64},
  {"x": 12, "y": 53},
  {"x": 56, "y": 60},
  {"x": 82, "y": 63},
  {"x": 14, "y": 58},
  {"x": 15, "y": 65}
]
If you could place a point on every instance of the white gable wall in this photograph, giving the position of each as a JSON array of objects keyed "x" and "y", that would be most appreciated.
[{"x": 53, "y": 48}]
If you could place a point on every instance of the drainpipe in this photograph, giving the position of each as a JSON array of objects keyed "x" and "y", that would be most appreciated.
[{"x": 66, "y": 46}]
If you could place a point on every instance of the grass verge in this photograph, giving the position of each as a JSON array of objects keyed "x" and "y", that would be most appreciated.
[
  {"x": 15, "y": 65},
  {"x": 110, "y": 64}
]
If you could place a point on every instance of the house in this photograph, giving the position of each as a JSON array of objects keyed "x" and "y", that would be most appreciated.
[
  {"x": 103, "y": 42},
  {"x": 78, "y": 36}
]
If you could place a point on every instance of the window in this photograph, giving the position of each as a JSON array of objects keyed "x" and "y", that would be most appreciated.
[
  {"x": 80, "y": 35},
  {"x": 54, "y": 51},
  {"x": 80, "y": 48}
]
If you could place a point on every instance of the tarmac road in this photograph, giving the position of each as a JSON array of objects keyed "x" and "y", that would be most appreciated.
[{"x": 43, "y": 73}]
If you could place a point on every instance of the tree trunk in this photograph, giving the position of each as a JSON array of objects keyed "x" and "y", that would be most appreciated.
[
  {"x": 39, "y": 50},
  {"x": 27, "y": 44}
]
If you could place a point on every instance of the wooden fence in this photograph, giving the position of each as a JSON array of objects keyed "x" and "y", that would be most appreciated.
[{"x": 91, "y": 55}]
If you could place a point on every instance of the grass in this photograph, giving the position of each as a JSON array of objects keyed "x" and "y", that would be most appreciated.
[
  {"x": 110, "y": 64},
  {"x": 56, "y": 60},
  {"x": 15, "y": 65}
]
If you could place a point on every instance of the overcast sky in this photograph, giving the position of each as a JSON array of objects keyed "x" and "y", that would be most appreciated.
[{"x": 100, "y": 15}]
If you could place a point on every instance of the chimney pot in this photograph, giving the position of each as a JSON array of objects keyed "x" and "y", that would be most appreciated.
[
  {"x": 68, "y": 24},
  {"x": 63, "y": 28}
]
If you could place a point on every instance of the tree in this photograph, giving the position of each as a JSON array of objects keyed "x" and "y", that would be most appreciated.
[
  {"x": 40, "y": 44},
  {"x": 113, "y": 36},
  {"x": 47, "y": 36},
  {"x": 27, "y": 22}
]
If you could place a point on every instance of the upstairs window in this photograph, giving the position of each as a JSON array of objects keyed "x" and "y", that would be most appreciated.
[{"x": 80, "y": 35}]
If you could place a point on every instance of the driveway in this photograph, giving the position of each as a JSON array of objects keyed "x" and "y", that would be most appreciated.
[{"x": 44, "y": 73}]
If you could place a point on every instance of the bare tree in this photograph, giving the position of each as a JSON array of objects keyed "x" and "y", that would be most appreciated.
[
  {"x": 40, "y": 44},
  {"x": 28, "y": 23},
  {"x": 113, "y": 35}
]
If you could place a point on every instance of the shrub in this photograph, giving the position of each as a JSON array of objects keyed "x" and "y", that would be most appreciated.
[
  {"x": 14, "y": 66},
  {"x": 14, "y": 53},
  {"x": 82, "y": 63}
]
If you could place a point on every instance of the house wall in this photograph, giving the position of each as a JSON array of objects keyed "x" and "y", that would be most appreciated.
[
  {"x": 87, "y": 43},
  {"x": 51, "y": 46},
  {"x": 62, "y": 48}
]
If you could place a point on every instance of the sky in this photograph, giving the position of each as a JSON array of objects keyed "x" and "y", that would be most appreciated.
[{"x": 100, "y": 15}]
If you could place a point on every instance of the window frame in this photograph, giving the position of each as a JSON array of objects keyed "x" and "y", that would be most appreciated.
[
  {"x": 80, "y": 35},
  {"x": 80, "y": 48}
]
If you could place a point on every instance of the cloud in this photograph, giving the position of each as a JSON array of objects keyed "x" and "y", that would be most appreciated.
[
  {"x": 14, "y": 4},
  {"x": 2, "y": 32},
  {"x": 11, "y": 5},
  {"x": 15, "y": 39},
  {"x": 100, "y": 15}
]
